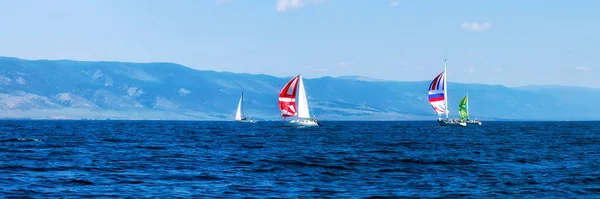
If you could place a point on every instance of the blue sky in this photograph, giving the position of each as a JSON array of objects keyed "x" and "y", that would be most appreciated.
[{"x": 507, "y": 42}]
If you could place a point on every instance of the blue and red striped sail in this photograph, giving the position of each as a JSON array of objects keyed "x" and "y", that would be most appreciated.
[{"x": 437, "y": 95}]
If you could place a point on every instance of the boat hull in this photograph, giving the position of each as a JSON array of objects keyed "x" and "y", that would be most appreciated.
[
  {"x": 474, "y": 122},
  {"x": 451, "y": 123},
  {"x": 246, "y": 121},
  {"x": 301, "y": 122}
]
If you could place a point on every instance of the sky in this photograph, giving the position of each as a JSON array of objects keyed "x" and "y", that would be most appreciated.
[{"x": 510, "y": 42}]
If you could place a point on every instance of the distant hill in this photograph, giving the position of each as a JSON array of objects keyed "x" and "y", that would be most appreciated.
[{"x": 65, "y": 89}]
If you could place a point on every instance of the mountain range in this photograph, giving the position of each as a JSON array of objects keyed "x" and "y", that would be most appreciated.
[{"x": 66, "y": 89}]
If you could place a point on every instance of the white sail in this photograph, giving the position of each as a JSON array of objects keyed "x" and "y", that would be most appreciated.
[
  {"x": 302, "y": 101},
  {"x": 240, "y": 111}
]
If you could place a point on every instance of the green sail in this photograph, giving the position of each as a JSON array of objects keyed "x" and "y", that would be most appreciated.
[{"x": 462, "y": 109}]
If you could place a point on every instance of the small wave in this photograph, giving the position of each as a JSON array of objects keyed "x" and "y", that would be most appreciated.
[
  {"x": 165, "y": 156},
  {"x": 253, "y": 188},
  {"x": 398, "y": 144},
  {"x": 459, "y": 161},
  {"x": 591, "y": 180},
  {"x": 340, "y": 152},
  {"x": 244, "y": 162},
  {"x": 324, "y": 191},
  {"x": 23, "y": 193},
  {"x": 328, "y": 173},
  {"x": 592, "y": 189},
  {"x": 81, "y": 182},
  {"x": 390, "y": 170},
  {"x": 203, "y": 177},
  {"x": 16, "y": 150},
  {"x": 384, "y": 151},
  {"x": 456, "y": 195},
  {"x": 22, "y": 140},
  {"x": 207, "y": 177},
  {"x": 62, "y": 153},
  {"x": 131, "y": 182},
  {"x": 522, "y": 160},
  {"x": 386, "y": 196},
  {"x": 253, "y": 146},
  {"x": 37, "y": 169},
  {"x": 267, "y": 169},
  {"x": 151, "y": 147},
  {"x": 112, "y": 140},
  {"x": 304, "y": 164}
]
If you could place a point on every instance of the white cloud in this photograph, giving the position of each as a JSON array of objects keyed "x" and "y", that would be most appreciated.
[
  {"x": 20, "y": 80},
  {"x": 583, "y": 68},
  {"x": 498, "y": 70},
  {"x": 342, "y": 64},
  {"x": 476, "y": 26},
  {"x": 284, "y": 5},
  {"x": 394, "y": 4},
  {"x": 64, "y": 97},
  {"x": 134, "y": 91},
  {"x": 183, "y": 91},
  {"x": 471, "y": 70}
]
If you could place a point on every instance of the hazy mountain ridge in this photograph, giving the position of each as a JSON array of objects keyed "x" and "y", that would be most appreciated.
[{"x": 119, "y": 90}]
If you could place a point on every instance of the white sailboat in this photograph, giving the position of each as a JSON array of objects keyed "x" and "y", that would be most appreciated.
[
  {"x": 239, "y": 114},
  {"x": 438, "y": 98},
  {"x": 293, "y": 102}
]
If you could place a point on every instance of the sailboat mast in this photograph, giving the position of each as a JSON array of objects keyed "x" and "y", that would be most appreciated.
[
  {"x": 468, "y": 114},
  {"x": 298, "y": 95},
  {"x": 242, "y": 103},
  {"x": 446, "y": 89}
]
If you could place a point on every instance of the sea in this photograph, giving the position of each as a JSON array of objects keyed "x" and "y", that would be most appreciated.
[{"x": 403, "y": 159}]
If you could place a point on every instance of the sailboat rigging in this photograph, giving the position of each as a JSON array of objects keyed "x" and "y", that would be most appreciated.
[
  {"x": 438, "y": 98},
  {"x": 464, "y": 111},
  {"x": 293, "y": 102},
  {"x": 239, "y": 114}
]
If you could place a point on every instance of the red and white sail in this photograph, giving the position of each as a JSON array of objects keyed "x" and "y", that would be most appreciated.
[{"x": 287, "y": 98}]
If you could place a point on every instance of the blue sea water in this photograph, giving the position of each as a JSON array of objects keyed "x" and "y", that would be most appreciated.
[{"x": 177, "y": 159}]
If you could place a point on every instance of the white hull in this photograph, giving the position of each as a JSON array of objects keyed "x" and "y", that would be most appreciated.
[
  {"x": 474, "y": 122},
  {"x": 304, "y": 122},
  {"x": 246, "y": 121},
  {"x": 450, "y": 123}
]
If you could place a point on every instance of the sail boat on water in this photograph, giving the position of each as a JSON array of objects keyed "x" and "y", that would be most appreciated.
[
  {"x": 293, "y": 102},
  {"x": 438, "y": 98},
  {"x": 463, "y": 111},
  {"x": 239, "y": 114}
]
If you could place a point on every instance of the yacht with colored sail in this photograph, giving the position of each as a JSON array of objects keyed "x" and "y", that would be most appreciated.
[
  {"x": 293, "y": 102},
  {"x": 438, "y": 98},
  {"x": 463, "y": 111}
]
